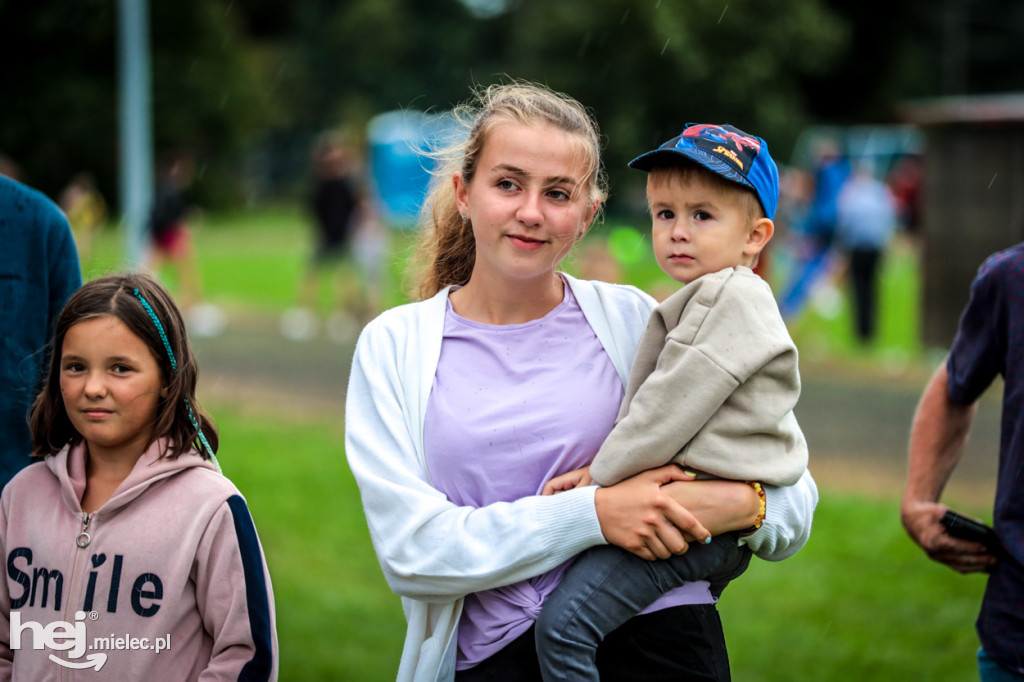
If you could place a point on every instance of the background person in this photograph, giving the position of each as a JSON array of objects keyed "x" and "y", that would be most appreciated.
[
  {"x": 38, "y": 273},
  {"x": 989, "y": 343},
  {"x": 462, "y": 406},
  {"x": 172, "y": 242},
  {"x": 865, "y": 221},
  {"x": 334, "y": 205},
  {"x": 86, "y": 210}
]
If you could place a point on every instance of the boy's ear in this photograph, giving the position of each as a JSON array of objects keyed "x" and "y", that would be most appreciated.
[{"x": 760, "y": 234}]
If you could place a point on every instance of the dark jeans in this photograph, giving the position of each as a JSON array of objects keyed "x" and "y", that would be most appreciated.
[
  {"x": 864, "y": 276},
  {"x": 607, "y": 586},
  {"x": 681, "y": 644},
  {"x": 990, "y": 671}
]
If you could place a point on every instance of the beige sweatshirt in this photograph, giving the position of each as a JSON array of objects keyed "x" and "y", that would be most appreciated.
[{"x": 712, "y": 388}]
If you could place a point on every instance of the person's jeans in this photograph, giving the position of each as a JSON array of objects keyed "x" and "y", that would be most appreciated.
[
  {"x": 990, "y": 671},
  {"x": 607, "y": 586}
]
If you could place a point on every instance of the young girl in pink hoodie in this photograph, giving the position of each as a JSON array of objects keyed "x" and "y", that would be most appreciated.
[{"x": 127, "y": 552}]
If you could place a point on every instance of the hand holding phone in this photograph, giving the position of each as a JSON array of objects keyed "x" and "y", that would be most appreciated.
[{"x": 965, "y": 528}]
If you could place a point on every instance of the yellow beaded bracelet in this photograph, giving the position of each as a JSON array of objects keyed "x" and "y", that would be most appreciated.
[{"x": 762, "y": 504}]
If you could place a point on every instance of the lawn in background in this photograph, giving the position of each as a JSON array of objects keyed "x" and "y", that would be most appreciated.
[
  {"x": 249, "y": 260},
  {"x": 859, "y": 602}
]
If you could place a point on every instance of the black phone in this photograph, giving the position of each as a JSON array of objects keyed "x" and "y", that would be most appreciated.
[{"x": 965, "y": 528}]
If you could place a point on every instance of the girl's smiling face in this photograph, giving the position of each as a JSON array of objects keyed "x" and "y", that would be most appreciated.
[
  {"x": 527, "y": 200},
  {"x": 111, "y": 385}
]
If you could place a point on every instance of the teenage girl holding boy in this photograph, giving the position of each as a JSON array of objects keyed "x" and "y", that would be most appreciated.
[
  {"x": 462, "y": 406},
  {"x": 126, "y": 529}
]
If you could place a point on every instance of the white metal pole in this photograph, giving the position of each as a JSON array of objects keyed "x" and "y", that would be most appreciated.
[{"x": 136, "y": 128}]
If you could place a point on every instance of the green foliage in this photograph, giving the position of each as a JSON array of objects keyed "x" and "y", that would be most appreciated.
[
  {"x": 61, "y": 100},
  {"x": 245, "y": 86}
]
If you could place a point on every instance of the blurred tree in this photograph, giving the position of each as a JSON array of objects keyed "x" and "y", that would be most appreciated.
[
  {"x": 58, "y": 86},
  {"x": 60, "y": 100},
  {"x": 208, "y": 98},
  {"x": 259, "y": 79},
  {"x": 645, "y": 68},
  {"x": 901, "y": 49}
]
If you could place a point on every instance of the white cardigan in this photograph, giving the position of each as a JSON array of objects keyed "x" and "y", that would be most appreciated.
[{"x": 433, "y": 552}]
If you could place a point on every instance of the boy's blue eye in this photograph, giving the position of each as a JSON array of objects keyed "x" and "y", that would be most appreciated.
[{"x": 506, "y": 184}]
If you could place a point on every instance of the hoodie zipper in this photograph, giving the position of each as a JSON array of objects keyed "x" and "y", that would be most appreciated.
[
  {"x": 82, "y": 541},
  {"x": 84, "y": 538}
]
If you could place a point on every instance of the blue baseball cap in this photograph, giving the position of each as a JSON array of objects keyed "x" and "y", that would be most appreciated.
[{"x": 727, "y": 151}]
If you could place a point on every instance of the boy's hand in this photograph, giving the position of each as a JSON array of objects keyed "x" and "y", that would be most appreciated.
[{"x": 573, "y": 479}]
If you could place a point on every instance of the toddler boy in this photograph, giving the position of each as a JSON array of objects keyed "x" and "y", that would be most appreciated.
[{"x": 712, "y": 387}]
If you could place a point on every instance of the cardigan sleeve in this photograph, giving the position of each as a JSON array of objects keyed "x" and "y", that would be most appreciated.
[
  {"x": 787, "y": 523},
  {"x": 429, "y": 548}
]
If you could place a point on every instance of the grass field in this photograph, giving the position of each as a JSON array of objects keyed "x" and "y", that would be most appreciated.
[{"x": 859, "y": 602}]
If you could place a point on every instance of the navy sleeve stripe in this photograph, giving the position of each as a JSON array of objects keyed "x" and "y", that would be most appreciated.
[{"x": 256, "y": 594}]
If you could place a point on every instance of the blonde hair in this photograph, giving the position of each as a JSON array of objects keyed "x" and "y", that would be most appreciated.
[{"x": 446, "y": 250}]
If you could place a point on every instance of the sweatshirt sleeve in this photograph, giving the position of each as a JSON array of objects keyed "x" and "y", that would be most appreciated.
[
  {"x": 722, "y": 338},
  {"x": 429, "y": 548},
  {"x": 235, "y": 597},
  {"x": 668, "y": 409}
]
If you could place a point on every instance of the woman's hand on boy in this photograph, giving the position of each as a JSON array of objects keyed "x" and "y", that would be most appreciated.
[
  {"x": 568, "y": 481},
  {"x": 640, "y": 516}
]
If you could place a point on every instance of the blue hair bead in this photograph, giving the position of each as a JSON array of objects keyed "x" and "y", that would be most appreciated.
[
  {"x": 159, "y": 329},
  {"x": 174, "y": 368}
]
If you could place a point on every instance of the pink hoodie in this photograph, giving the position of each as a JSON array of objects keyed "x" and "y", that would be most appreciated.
[{"x": 166, "y": 581}]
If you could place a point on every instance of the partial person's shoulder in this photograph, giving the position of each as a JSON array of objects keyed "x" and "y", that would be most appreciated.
[
  {"x": 620, "y": 296},
  {"x": 728, "y": 283},
  {"x": 29, "y": 484},
  {"x": 206, "y": 483},
  {"x": 740, "y": 299},
  {"x": 1006, "y": 262},
  {"x": 403, "y": 331},
  {"x": 31, "y": 475},
  {"x": 34, "y": 204},
  {"x": 406, "y": 316}
]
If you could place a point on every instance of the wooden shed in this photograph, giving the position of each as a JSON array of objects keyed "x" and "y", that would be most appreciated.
[{"x": 973, "y": 197}]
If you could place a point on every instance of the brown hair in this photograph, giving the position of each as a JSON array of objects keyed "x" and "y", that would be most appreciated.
[
  {"x": 161, "y": 328},
  {"x": 684, "y": 170},
  {"x": 446, "y": 250}
]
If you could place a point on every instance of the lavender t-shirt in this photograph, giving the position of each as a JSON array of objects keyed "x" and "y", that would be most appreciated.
[{"x": 511, "y": 407}]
